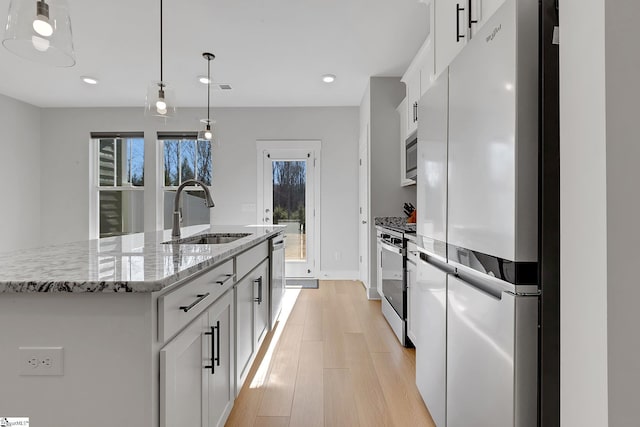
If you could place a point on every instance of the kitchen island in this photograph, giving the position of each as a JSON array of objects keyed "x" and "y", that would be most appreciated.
[{"x": 142, "y": 332}]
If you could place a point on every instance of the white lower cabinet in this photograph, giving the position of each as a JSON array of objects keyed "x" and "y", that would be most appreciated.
[
  {"x": 196, "y": 370},
  {"x": 252, "y": 318}
]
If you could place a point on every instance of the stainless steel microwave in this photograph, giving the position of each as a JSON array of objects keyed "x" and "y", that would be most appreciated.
[{"x": 411, "y": 157}]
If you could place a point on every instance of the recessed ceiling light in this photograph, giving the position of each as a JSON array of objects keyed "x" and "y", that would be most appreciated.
[
  {"x": 329, "y": 78},
  {"x": 89, "y": 80},
  {"x": 203, "y": 79}
]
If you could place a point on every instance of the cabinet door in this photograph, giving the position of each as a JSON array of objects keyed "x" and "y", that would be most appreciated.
[
  {"x": 260, "y": 281},
  {"x": 221, "y": 359},
  {"x": 183, "y": 382},
  {"x": 451, "y": 31},
  {"x": 413, "y": 97},
  {"x": 244, "y": 329}
]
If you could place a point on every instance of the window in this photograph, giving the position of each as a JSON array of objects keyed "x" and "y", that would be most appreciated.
[
  {"x": 184, "y": 157},
  {"x": 119, "y": 181}
]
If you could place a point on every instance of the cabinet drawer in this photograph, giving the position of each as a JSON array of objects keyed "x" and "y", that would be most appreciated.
[
  {"x": 247, "y": 261},
  {"x": 179, "y": 307}
]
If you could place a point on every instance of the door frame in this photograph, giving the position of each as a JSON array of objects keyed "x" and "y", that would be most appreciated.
[{"x": 313, "y": 146}]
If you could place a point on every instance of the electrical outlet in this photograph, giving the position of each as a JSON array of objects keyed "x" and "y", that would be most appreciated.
[{"x": 41, "y": 360}]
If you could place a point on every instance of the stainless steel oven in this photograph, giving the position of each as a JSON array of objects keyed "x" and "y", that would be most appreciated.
[{"x": 394, "y": 288}]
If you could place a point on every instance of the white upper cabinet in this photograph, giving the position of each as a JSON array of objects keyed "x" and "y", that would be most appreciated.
[
  {"x": 413, "y": 97},
  {"x": 451, "y": 31},
  {"x": 418, "y": 79},
  {"x": 454, "y": 22}
]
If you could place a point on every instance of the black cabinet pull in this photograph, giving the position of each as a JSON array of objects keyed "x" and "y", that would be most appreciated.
[
  {"x": 186, "y": 308},
  {"x": 259, "y": 282},
  {"x": 217, "y": 327},
  {"x": 212, "y": 366},
  {"x": 223, "y": 282},
  {"x": 471, "y": 20},
  {"x": 416, "y": 107},
  {"x": 458, "y": 10}
]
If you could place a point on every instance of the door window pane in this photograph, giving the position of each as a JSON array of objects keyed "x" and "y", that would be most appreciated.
[{"x": 289, "y": 197}]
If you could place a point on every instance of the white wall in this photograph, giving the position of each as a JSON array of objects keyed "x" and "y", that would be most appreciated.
[
  {"x": 20, "y": 174},
  {"x": 65, "y": 192},
  {"x": 623, "y": 209},
  {"x": 583, "y": 195}
]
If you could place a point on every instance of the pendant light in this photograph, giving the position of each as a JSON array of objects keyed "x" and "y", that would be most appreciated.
[
  {"x": 207, "y": 134},
  {"x": 40, "y": 30},
  {"x": 160, "y": 101}
]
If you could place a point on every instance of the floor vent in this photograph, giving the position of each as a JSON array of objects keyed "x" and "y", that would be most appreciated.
[{"x": 221, "y": 86}]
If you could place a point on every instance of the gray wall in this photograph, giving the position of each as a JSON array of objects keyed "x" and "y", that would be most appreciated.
[
  {"x": 19, "y": 174},
  {"x": 623, "y": 209},
  {"x": 66, "y": 149}
]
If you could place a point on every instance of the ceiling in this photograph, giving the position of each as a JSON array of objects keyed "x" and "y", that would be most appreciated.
[{"x": 272, "y": 52}]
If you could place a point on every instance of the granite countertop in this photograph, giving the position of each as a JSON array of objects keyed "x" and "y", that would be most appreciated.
[
  {"x": 396, "y": 223},
  {"x": 132, "y": 263}
]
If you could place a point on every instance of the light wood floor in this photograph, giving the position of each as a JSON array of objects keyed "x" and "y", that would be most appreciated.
[{"x": 331, "y": 361}]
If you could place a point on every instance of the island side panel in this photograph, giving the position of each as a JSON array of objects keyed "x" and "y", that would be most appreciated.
[{"x": 110, "y": 352}]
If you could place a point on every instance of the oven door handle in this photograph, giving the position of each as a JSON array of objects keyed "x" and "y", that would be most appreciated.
[{"x": 390, "y": 248}]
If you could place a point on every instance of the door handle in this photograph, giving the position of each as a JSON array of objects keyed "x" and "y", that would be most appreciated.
[
  {"x": 458, "y": 10},
  {"x": 364, "y": 222}
]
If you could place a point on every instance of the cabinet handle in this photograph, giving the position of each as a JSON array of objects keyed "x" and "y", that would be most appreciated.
[
  {"x": 186, "y": 308},
  {"x": 224, "y": 282},
  {"x": 212, "y": 366},
  {"x": 217, "y": 327},
  {"x": 416, "y": 107},
  {"x": 471, "y": 20},
  {"x": 259, "y": 282},
  {"x": 458, "y": 10}
]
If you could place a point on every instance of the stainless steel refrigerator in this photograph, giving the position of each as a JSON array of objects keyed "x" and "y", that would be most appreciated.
[{"x": 479, "y": 200}]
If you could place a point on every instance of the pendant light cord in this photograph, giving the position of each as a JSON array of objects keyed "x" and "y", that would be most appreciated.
[
  {"x": 208, "y": 90},
  {"x": 161, "y": 76}
]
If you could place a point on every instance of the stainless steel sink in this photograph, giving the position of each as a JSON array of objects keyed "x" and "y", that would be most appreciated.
[{"x": 209, "y": 239}]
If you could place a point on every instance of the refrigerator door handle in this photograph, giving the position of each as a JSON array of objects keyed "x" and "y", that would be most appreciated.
[{"x": 496, "y": 294}]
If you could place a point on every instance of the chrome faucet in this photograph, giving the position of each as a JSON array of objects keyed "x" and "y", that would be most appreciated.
[{"x": 177, "y": 214}]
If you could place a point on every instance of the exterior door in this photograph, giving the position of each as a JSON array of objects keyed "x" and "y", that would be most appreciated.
[{"x": 289, "y": 187}]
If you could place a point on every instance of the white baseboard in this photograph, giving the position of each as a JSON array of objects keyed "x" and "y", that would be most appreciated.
[
  {"x": 372, "y": 294},
  {"x": 339, "y": 275}
]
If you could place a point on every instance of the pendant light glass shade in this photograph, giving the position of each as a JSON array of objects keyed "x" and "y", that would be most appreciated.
[
  {"x": 160, "y": 101},
  {"x": 207, "y": 133},
  {"x": 40, "y": 30}
]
